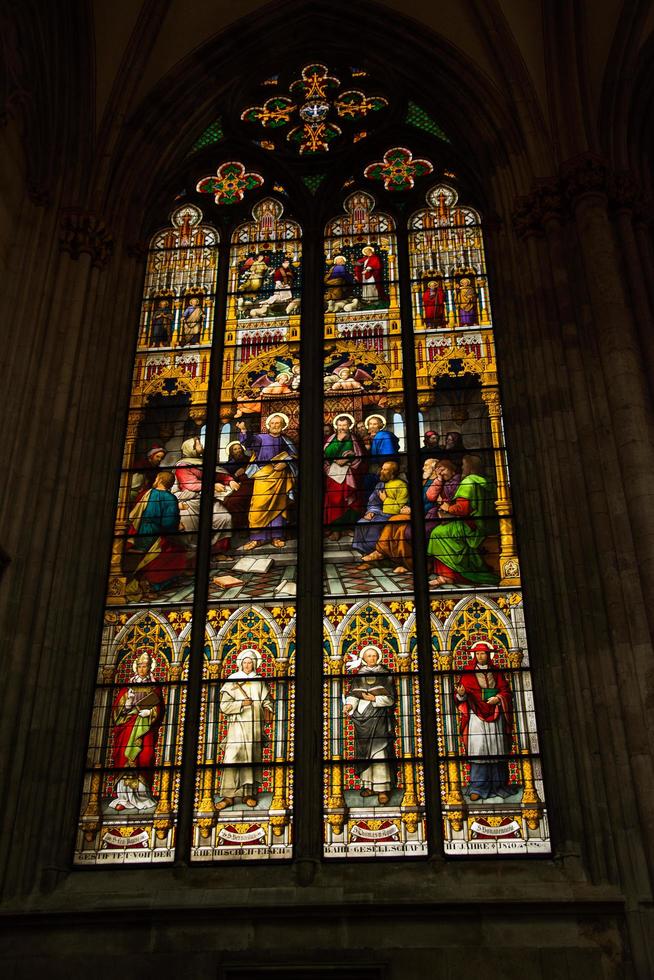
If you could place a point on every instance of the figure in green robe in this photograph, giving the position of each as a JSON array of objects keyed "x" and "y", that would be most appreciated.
[{"x": 465, "y": 523}]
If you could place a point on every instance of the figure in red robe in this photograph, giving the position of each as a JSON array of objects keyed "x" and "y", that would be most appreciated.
[
  {"x": 433, "y": 304},
  {"x": 368, "y": 272},
  {"x": 482, "y": 698},
  {"x": 137, "y": 714}
]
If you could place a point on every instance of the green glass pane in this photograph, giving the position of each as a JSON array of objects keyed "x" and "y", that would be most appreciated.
[
  {"x": 422, "y": 120},
  {"x": 313, "y": 182},
  {"x": 212, "y": 134}
]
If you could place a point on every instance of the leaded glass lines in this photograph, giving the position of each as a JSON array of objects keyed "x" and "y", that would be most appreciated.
[{"x": 425, "y": 673}]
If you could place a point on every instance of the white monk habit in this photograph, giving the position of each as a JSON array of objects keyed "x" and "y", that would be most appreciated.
[{"x": 243, "y": 743}]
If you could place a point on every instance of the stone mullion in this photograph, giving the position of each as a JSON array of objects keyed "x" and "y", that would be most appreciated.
[
  {"x": 420, "y": 567},
  {"x": 308, "y": 764},
  {"x": 598, "y": 493}
]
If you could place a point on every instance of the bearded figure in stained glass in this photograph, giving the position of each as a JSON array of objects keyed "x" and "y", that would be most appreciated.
[
  {"x": 188, "y": 478},
  {"x": 464, "y": 525},
  {"x": 390, "y": 495},
  {"x": 344, "y": 459},
  {"x": 483, "y": 703},
  {"x": 137, "y": 715},
  {"x": 433, "y": 304},
  {"x": 466, "y": 296},
  {"x": 152, "y": 541},
  {"x": 273, "y": 470},
  {"x": 247, "y": 706},
  {"x": 369, "y": 705},
  {"x": 192, "y": 322}
]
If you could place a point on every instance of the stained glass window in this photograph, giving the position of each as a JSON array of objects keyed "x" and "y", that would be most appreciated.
[
  {"x": 130, "y": 796},
  {"x": 244, "y": 789},
  {"x": 421, "y": 694},
  {"x": 489, "y": 767},
  {"x": 374, "y": 802}
]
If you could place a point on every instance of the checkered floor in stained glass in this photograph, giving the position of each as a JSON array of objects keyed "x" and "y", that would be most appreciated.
[
  {"x": 278, "y": 581},
  {"x": 346, "y": 574}
]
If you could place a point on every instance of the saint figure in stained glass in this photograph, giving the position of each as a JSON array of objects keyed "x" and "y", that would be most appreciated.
[
  {"x": 272, "y": 459},
  {"x": 369, "y": 705},
  {"x": 157, "y": 556},
  {"x": 138, "y": 712},
  {"x": 247, "y": 706},
  {"x": 483, "y": 703},
  {"x": 463, "y": 528},
  {"x": 343, "y": 459}
]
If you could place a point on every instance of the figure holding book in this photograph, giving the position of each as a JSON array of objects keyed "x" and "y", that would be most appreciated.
[
  {"x": 369, "y": 706},
  {"x": 137, "y": 715},
  {"x": 483, "y": 703}
]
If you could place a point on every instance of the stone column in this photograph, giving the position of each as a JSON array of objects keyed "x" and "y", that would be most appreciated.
[
  {"x": 629, "y": 400},
  {"x": 609, "y": 630}
]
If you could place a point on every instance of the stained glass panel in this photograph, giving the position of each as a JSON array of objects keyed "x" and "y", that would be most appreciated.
[
  {"x": 374, "y": 801},
  {"x": 312, "y": 115},
  {"x": 129, "y": 806},
  {"x": 373, "y": 782},
  {"x": 489, "y": 768},
  {"x": 130, "y": 794},
  {"x": 254, "y": 554},
  {"x": 244, "y": 793},
  {"x": 480, "y": 702}
]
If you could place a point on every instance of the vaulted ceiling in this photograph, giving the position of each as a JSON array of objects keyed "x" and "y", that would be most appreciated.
[{"x": 492, "y": 34}]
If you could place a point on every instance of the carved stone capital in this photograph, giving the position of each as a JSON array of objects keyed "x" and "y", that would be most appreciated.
[
  {"x": 551, "y": 199},
  {"x": 583, "y": 175},
  {"x": 83, "y": 231},
  {"x": 527, "y": 217},
  {"x": 546, "y": 202}
]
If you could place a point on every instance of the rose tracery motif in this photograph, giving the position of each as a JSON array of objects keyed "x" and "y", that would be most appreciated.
[
  {"x": 398, "y": 169},
  {"x": 229, "y": 183},
  {"x": 311, "y": 100}
]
